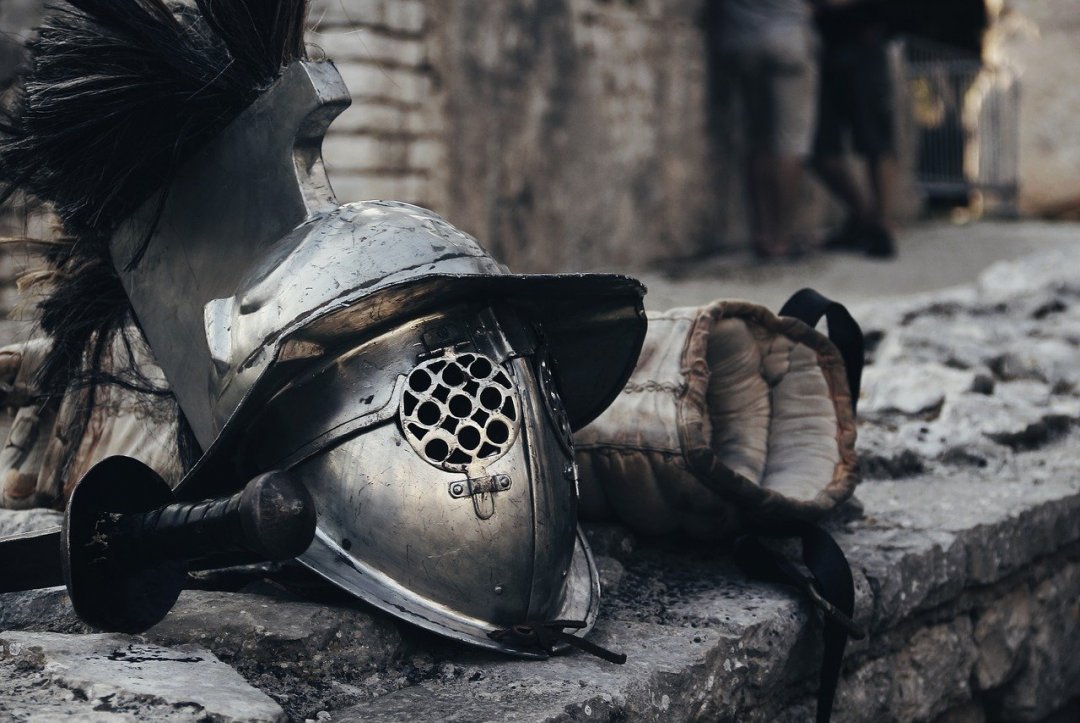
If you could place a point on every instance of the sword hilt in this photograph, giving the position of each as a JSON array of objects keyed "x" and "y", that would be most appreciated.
[
  {"x": 273, "y": 519},
  {"x": 126, "y": 544}
]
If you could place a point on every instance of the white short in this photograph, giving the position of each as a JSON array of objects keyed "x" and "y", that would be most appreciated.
[{"x": 777, "y": 84}]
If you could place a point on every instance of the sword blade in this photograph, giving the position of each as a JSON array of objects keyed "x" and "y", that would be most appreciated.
[{"x": 31, "y": 560}]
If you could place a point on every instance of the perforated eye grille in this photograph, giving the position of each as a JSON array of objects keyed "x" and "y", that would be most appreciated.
[
  {"x": 459, "y": 409},
  {"x": 554, "y": 403}
]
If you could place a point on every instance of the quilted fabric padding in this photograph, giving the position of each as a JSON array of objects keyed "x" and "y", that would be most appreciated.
[
  {"x": 732, "y": 415},
  {"x": 52, "y": 445}
]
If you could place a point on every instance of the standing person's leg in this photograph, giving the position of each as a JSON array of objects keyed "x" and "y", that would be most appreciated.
[
  {"x": 740, "y": 95},
  {"x": 835, "y": 173},
  {"x": 780, "y": 103},
  {"x": 760, "y": 165},
  {"x": 789, "y": 177},
  {"x": 796, "y": 83},
  {"x": 759, "y": 117},
  {"x": 762, "y": 190},
  {"x": 829, "y": 162},
  {"x": 872, "y": 130},
  {"x": 883, "y": 172}
]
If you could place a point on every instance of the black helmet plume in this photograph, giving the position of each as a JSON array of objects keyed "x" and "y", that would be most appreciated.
[
  {"x": 117, "y": 95},
  {"x": 121, "y": 91}
]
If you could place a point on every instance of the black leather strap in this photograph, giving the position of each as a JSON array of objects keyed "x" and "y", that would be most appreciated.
[
  {"x": 809, "y": 307},
  {"x": 829, "y": 586},
  {"x": 544, "y": 636}
]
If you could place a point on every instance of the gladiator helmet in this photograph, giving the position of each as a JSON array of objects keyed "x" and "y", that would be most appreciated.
[{"x": 424, "y": 395}]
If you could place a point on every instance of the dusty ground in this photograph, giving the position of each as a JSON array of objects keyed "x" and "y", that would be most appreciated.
[{"x": 931, "y": 256}]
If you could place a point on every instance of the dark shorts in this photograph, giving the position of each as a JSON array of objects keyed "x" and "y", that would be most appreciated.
[{"x": 856, "y": 98}]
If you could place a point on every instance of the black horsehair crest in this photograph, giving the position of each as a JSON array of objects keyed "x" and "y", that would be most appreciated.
[{"x": 117, "y": 95}]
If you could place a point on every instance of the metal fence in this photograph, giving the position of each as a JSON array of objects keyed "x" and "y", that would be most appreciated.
[{"x": 966, "y": 123}]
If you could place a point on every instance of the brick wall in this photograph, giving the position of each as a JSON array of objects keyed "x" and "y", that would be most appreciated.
[
  {"x": 390, "y": 143},
  {"x": 564, "y": 134}
]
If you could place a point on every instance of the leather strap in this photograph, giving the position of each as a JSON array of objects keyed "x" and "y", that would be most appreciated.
[
  {"x": 829, "y": 586},
  {"x": 809, "y": 307},
  {"x": 544, "y": 636}
]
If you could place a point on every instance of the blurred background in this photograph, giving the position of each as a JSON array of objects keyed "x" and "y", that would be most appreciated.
[{"x": 588, "y": 134}]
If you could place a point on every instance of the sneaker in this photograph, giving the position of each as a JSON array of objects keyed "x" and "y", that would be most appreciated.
[{"x": 849, "y": 237}]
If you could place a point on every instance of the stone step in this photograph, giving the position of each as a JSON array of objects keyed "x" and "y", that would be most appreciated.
[
  {"x": 965, "y": 545},
  {"x": 118, "y": 677}
]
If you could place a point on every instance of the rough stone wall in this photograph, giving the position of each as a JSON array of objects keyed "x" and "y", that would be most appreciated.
[
  {"x": 563, "y": 133},
  {"x": 1038, "y": 38},
  {"x": 591, "y": 145}
]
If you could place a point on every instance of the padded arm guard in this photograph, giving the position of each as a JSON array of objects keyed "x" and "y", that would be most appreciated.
[
  {"x": 732, "y": 415},
  {"x": 25, "y": 450}
]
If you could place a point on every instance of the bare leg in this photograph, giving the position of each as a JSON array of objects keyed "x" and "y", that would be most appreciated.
[
  {"x": 761, "y": 173},
  {"x": 773, "y": 184},
  {"x": 789, "y": 176}
]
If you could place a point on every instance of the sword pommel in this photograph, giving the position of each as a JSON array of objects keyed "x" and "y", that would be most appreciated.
[{"x": 126, "y": 545}]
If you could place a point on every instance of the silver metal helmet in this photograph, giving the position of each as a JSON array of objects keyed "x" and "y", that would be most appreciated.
[{"x": 424, "y": 395}]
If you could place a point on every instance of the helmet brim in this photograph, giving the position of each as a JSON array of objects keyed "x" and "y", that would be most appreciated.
[{"x": 592, "y": 324}]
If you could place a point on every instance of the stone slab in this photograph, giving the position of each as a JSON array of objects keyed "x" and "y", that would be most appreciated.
[
  {"x": 287, "y": 648},
  {"x": 705, "y": 644},
  {"x": 965, "y": 559},
  {"x": 17, "y": 522},
  {"x": 965, "y": 545},
  {"x": 117, "y": 677}
]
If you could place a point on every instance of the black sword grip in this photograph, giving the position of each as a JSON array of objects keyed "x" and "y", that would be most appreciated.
[{"x": 273, "y": 518}]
